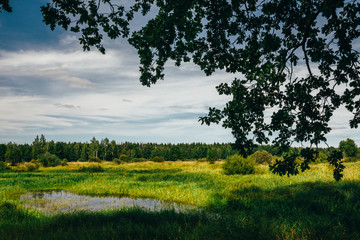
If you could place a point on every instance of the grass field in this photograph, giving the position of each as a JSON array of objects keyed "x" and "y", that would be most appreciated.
[{"x": 310, "y": 205}]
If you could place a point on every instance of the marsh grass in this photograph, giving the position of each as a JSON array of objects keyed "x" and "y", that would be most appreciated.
[{"x": 310, "y": 205}]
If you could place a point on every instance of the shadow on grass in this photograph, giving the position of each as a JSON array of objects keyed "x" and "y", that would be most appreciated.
[
  {"x": 123, "y": 224},
  {"x": 312, "y": 210}
]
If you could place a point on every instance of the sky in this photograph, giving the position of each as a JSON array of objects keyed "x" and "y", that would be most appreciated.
[{"x": 49, "y": 86}]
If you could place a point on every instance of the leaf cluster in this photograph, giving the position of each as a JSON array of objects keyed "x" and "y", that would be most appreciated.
[
  {"x": 91, "y": 18},
  {"x": 293, "y": 162},
  {"x": 5, "y": 6}
]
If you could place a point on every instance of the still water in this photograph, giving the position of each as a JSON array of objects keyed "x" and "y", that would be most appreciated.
[{"x": 64, "y": 201}]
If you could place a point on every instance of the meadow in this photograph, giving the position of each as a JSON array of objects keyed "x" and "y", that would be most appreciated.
[{"x": 310, "y": 205}]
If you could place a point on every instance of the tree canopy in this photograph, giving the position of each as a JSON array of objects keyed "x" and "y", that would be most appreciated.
[
  {"x": 348, "y": 147},
  {"x": 264, "y": 42}
]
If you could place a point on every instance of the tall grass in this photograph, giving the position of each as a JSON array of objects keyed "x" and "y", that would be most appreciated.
[{"x": 310, "y": 205}]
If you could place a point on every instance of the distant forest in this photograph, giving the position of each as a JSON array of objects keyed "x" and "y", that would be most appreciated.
[{"x": 109, "y": 150}]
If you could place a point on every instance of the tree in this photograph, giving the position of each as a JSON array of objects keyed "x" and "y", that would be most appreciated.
[
  {"x": 26, "y": 152},
  {"x": 105, "y": 147},
  {"x": 2, "y": 152},
  {"x": 38, "y": 147},
  {"x": 60, "y": 149},
  {"x": 77, "y": 150},
  {"x": 13, "y": 154},
  {"x": 348, "y": 147},
  {"x": 84, "y": 153},
  {"x": 212, "y": 155},
  {"x": 42, "y": 143},
  {"x": 113, "y": 150},
  {"x": 50, "y": 147},
  {"x": 70, "y": 152},
  {"x": 261, "y": 41},
  {"x": 175, "y": 153},
  {"x": 94, "y": 148}
]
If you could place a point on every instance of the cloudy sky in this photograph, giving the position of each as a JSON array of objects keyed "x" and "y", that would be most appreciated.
[{"x": 49, "y": 86}]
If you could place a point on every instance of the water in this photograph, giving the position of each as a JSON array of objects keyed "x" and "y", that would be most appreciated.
[{"x": 64, "y": 201}]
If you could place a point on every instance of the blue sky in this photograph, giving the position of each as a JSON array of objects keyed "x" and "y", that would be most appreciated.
[{"x": 49, "y": 86}]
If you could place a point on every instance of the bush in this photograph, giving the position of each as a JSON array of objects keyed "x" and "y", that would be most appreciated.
[
  {"x": 157, "y": 159},
  {"x": 27, "y": 167},
  {"x": 95, "y": 159},
  {"x": 64, "y": 162},
  {"x": 321, "y": 158},
  {"x": 212, "y": 156},
  {"x": 262, "y": 157},
  {"x": 237, "y": 164},
  {"x": 4, "y": 167},
  {"x": 124, "y": 158},
  {"x": 20, "y": 168},
  {"x": 117, "y": 160},
  {"x": 35, "y": 161},
  {"x": 30, "y": 167},
  {"x": 91, "y": 168},
  {"x": 49, "y": 160}
]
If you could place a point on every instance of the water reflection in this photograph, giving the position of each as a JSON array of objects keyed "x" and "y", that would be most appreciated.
[{"x": 65, "y": 201}]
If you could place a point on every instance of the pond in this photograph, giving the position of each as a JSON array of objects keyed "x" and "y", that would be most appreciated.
[{"x": 52, "y": 202}]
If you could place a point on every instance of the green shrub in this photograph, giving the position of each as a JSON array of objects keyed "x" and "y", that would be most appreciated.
[
  {"x": 20, "y": 168},
  {"x": 212, "y": 155},
  {"x": 91, "y": 168},
  {"x": 237, "y": 164},
  {"x": 95, "y": 159},
  {"x": 117, "y": 160},
  {"x": 30, "y": 167},
  {"x": 64, "y": 162},
  {"x": 262, "y": 157},
  {"x": 124, "y": 158},
  {"x": 4, "y": 167},
  {"x": 49, "y": 160},
  {"x": 35, "y": 161},
  {"x": 321, "y": 158},
  {"x": 157, "y": 159},
  {"x": 26, "y": 167}
]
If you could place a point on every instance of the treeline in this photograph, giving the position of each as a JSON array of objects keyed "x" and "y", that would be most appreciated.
[{"x": 107, "y": 150}]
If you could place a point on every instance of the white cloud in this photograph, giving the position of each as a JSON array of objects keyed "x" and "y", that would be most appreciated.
[
  {"x": 75, "y": 93},
  {"x": 109, "y": 100}
]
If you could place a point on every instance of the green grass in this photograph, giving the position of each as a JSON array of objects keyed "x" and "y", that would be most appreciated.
[{"x": 310, "y": 205}]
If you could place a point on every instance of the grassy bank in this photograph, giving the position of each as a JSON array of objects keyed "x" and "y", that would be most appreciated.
[{"x": 260, "y": 206}]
